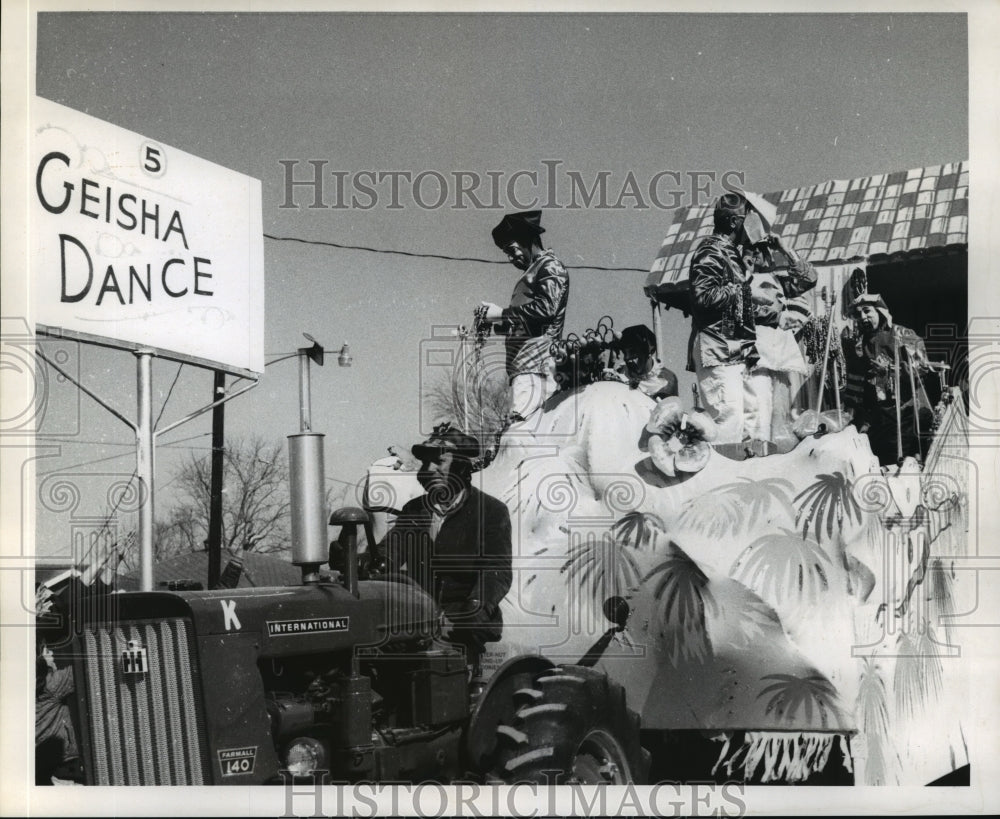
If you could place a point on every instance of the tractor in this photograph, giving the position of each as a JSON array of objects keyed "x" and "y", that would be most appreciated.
[{"x": 339, "y": 680}]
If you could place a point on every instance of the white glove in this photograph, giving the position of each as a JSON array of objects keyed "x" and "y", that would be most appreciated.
[{"x": 493, "y": 311}]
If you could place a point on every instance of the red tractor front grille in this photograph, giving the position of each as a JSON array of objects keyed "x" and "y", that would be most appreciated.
[{"x": 142, "y": 704}]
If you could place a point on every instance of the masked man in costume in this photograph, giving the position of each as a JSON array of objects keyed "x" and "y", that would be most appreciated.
[
  {"x": 536, "y": 314},
  {"x": 636, "y": 364},
  {"x": 723, "y": 347},
  {"x": 885, "y": 365},
  {"x": 781, "y": 367},
  {"x": 454, "y": 541},
  {"x": 57, "y": 757}
]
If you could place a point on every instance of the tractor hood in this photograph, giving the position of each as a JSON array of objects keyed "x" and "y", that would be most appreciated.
[{"x": 325, "y": 614}]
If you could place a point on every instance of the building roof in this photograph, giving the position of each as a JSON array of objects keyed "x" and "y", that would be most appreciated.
[
  {"x": 258, "y": 570},
  {"x": 917, "y": 210}
]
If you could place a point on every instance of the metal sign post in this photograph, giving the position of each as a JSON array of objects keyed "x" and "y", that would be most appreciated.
[
  {"x": 144, "y": 466},
  {"x": 145, "y": 439}
]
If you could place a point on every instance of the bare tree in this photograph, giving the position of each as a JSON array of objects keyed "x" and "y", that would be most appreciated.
[
  {"x": 474, "y": 397},
  {"x": 256, "y": 507},
  {"x": 255, "y": 501},
  {"x": 166, "y": 543}
]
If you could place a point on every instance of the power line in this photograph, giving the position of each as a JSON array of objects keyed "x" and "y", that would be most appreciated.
[
  {"x": 57, "y": 439},
  {"x": 346, "y": 483},
  {"x": 121, "y": 497},
  {"x": 85, "y": 463},
  {"x": 170, "y": 392},
  {"x": 388, "y": 252},
  {"x": 131, "y": 444},
  {"x": 110, "y": 457},
  {"x": 189, "y": 438},
  {"x": 444, "y": 257}
]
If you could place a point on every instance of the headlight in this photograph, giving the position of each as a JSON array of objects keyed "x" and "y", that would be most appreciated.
[{"x": 303, "y": 755}]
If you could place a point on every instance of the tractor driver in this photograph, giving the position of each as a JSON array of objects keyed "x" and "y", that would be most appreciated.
[{"x": 455, "y": 541}]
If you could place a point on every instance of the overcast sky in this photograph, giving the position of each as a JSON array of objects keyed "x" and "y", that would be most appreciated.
[{"x": 786, "y": 100}]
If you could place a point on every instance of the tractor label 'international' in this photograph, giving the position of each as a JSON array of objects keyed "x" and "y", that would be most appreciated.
[
  {"x": 237, "y": 761},
  {"x": 312, "y": 625}
]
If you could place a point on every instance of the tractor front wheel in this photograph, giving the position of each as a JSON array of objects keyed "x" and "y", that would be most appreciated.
[{"x": 571, "y": 725}]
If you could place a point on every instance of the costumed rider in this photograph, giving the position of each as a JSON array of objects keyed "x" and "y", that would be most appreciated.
[
  {"x": 636, "y": 364},
  {"x": 57, "y": 757},
  {"x": 536, "y": 314},
  {"x": 455, "y": 542},
  {"x": 778, "y": 304},
  {"x": 722, "y": 351},
  {"x": 885, "y": 391}
]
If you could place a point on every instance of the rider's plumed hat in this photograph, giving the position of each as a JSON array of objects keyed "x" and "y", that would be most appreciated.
[
  {"x": 873, "y": 300},
  {"x": 513, "y": 226}
]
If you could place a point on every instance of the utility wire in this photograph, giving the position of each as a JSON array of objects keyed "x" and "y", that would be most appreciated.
[
  {"x": 189, "y": 438},
  {"x": 85, "y": 463},
  {"x": 173, "y": 384},
  {"x": 112, "y": 457},
  {"x": 58, "y": 440},
  {"x": 414, "y": 255},
  {"x": 346, "y": 483},
  {"x": 121, "y": 497}
]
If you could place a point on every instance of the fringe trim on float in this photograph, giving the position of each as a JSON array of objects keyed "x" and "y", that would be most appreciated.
[{"x": 785, "y": 756}]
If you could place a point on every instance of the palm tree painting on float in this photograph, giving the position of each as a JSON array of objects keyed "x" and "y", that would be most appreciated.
[
  {"x": 738, "y": 506},
  {"x": 825, "y": 505},
  {"x": 788, "y": 693},
  {"x": 638, "y": 529},
  {"x": 600, "y": 568},
  {"x": 783, "y": 565},
  {"x": 684, "y": 598}
]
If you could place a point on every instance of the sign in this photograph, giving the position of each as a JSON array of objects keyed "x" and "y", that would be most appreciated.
[
  {"x": 237, "y": 761},
  {"x": 136, "y": 244},
  {"x": 312, "y": 625}
]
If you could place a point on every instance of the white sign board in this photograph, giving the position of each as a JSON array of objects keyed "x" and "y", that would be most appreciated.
[{"x": 136, "y": 244}]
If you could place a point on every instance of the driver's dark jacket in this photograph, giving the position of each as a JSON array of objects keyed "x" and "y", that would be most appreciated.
[{"x": 470, "y": 559}]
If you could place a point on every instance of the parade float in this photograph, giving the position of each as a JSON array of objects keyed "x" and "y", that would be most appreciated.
[
  {"x": 788, "y": 618},
  {"x": 680, "y": 610}
]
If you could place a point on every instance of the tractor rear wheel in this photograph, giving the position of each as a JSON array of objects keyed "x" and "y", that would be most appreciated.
[{"x": 571, "y": 726}]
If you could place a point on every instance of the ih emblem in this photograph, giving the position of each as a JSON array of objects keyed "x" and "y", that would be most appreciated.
[{"x": 134, "y": 659}]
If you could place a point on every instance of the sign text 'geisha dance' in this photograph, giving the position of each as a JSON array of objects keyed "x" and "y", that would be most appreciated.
[{"x": 137, "y": 244}]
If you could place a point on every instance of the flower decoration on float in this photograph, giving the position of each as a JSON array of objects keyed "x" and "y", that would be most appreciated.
[{"x": 679, "y": 441}]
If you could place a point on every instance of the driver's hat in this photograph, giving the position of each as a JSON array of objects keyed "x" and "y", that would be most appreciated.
[{"x": 445, "y": 438}]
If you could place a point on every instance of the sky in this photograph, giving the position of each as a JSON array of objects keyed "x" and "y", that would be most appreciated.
[{"x": 784, "y": 99}]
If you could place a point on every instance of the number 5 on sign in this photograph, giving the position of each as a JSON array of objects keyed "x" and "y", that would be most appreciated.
[{"x": 152, "y": 158}]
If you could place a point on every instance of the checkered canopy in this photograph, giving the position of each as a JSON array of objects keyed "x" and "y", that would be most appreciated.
[{"x": 839, "y": 220}]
